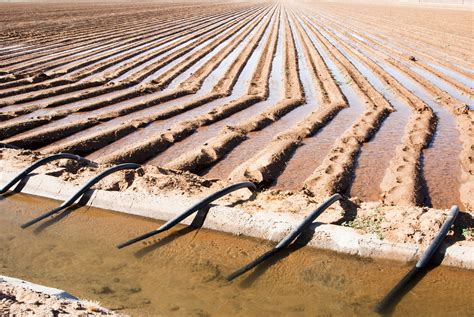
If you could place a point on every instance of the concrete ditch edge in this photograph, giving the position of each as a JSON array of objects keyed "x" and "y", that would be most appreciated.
[{"x": 264, "y": 225}]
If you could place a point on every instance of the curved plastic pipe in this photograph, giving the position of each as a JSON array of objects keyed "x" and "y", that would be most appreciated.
[
  {"x": 397, "y": 291},
  {"x": 37, "y": 164},
  {"x": 289, "y": 238},
  {"x": 200, "y": 205},
  {"x": 82, "y": 190}
]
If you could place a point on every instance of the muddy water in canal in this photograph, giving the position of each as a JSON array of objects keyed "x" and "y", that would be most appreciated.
[{"x": 182, "y": 272}]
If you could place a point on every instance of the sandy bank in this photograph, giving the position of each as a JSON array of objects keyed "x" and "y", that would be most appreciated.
[{"x": 21, "y": 298}]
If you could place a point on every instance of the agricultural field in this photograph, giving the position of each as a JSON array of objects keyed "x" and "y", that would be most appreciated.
[
  {"x": 323, "y": 97},
  {"x": 360, "y": 115}
]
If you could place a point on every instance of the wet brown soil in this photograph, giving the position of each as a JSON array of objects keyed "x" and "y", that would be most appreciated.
[{"x": 243, "y": 91}]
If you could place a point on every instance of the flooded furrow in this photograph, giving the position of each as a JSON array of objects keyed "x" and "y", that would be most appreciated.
[
  {"x": 82, "y": 57},
  {"x": 299, "y": 97},
  {"x": 435, "y": 162},
  {"x": 188, "y": 25},
  {"x": 456, "y": 88},
  {"x": 104, "y": 111},
  {"x": 98, "y": 95},
  {"x": 313, "y": 150},
  {"x": 391, "y": 42},
  {"x": 441, "y": 166},
  {"x": 468, "y": 82},
  {"x": 217, "y": 147},
  {"x": 51, "y": 62},
  {"x": 259, "y": 139},
  {"x": 80, "y": 35},
  {"x": 25, "y": 91},
  {"x": 440, "y": 83},
  {"x": 375, "y": 155},
  {"x": 130, "y": 32},
  {"x": 406, "y": 39},
  {"x": 177, "y": 33},
  {"x": 167, "y": 35},
  {"x": 447, "y": 125},
  {"x": 159, "y": 126},
  {"x": 52, "y": 49},
  {"x": 434, "y": 76},
  {"x": 459, "y": 116},
  {"x": 335, "y": 174},
  {"x": 206, "y": 132}
]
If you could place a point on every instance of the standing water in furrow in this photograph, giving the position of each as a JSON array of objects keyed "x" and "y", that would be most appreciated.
[
  {"x": 310, "y": 155},
  {"x": 442, "y": 83},
  {"x": 375, "y": 155},
  {"x": 143, "y": 114},
  {"x": 112, "y": 109},
  {"x": 468, "y": 82},
  {"x": 446, "y": 140},
  {"x": 422, "y": 51},
  {"x": 441, "y": 166},
  {"x": 467, "y": 99},
  {"x": 204, "y": 133},
  {"x": 170, "y": 50},
  {"x": 259, "y": 139},
  {"x": 395, "y": 35},
  {"x": 160, "y": 126}
]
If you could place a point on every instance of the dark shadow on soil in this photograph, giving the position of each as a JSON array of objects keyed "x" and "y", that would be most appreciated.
[
  {"x": 243, "y": 200},
  {"x": 423, "y": 195},
  {"x": 463, "y": 222},
  {"x": 350, "y": 211}
]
